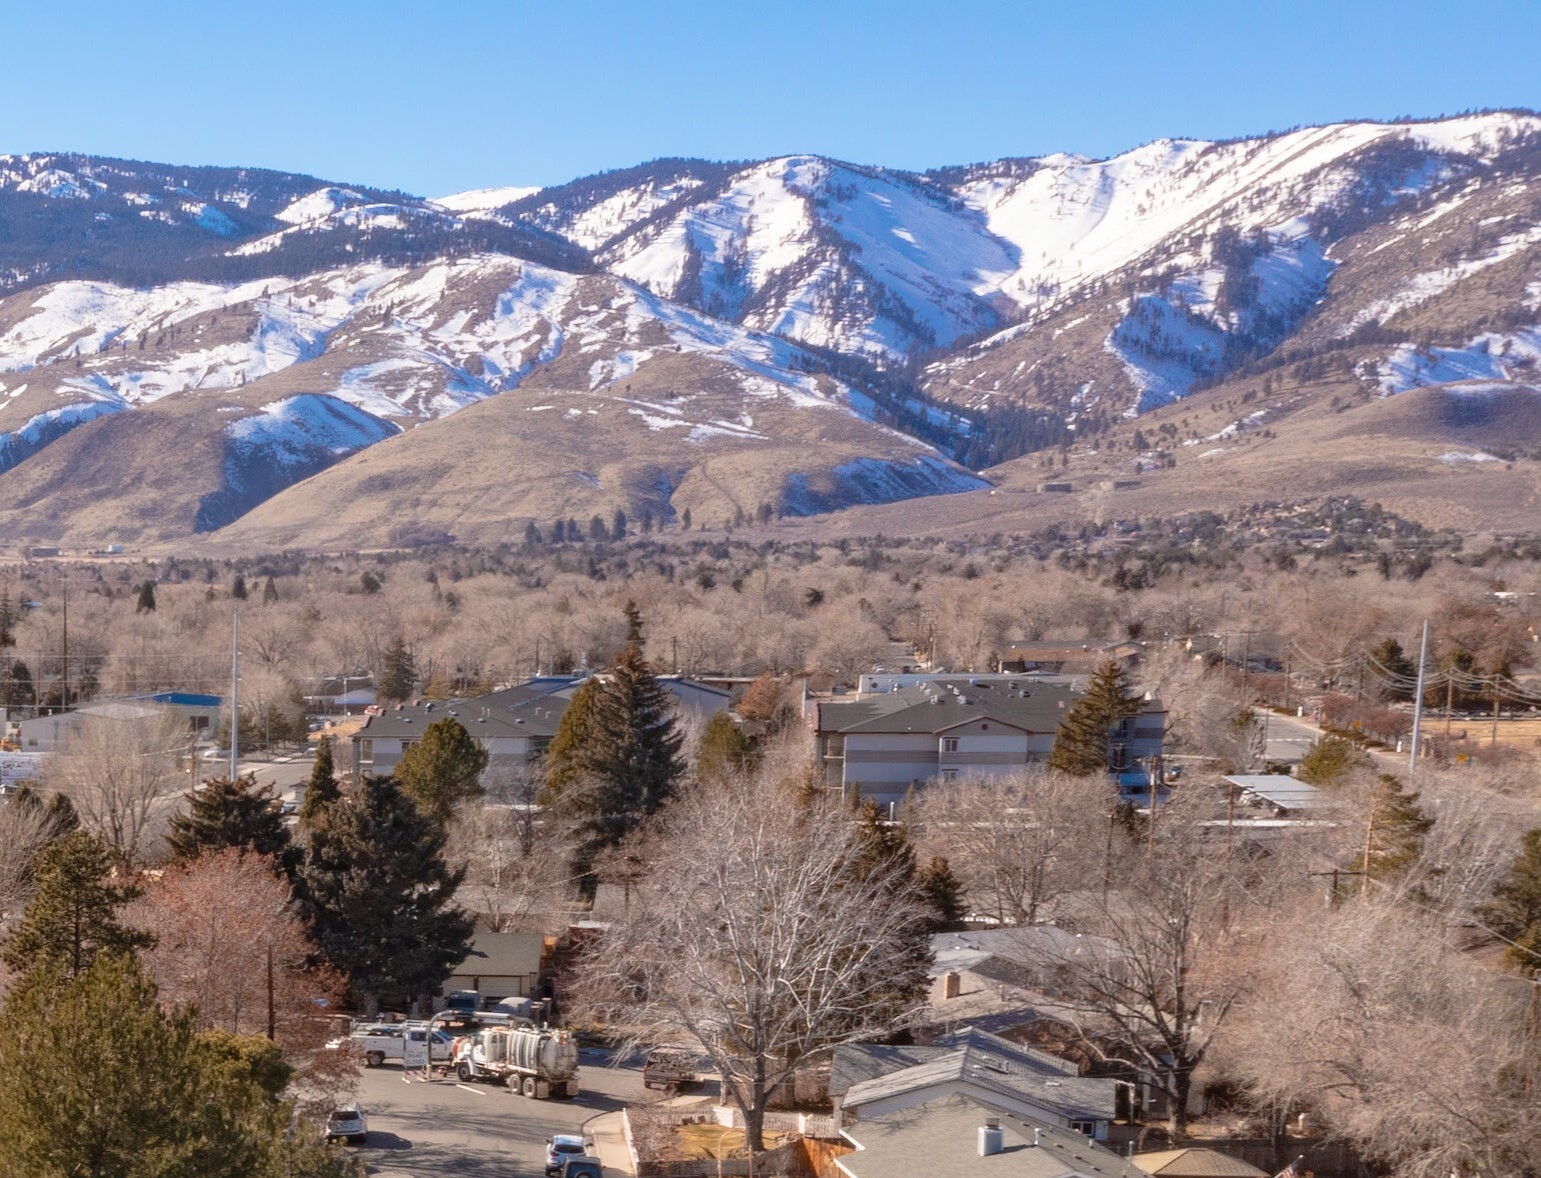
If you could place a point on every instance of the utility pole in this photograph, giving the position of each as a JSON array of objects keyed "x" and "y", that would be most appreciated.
[
  {"x": 64, "y": 661},
  {"x": 1423, "y": 656},
  {"x": 235, "y": 691}
]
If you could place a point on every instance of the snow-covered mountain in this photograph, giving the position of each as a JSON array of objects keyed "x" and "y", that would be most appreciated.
[{"x": 686, "y": 310}]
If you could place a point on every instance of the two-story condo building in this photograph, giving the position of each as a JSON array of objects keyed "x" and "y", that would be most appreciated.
[{"x": 899, "y": 732}]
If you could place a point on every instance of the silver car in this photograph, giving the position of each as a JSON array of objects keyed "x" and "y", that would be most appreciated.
[{"x": 347, "y": 1123}]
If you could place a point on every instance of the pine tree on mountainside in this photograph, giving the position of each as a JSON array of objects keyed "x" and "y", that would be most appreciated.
[
  {"x": 227, "y": 813},
  {"x": 1081, "y": 742},
  {"x": 146, "y": 601},
  {"x": 73, "y": 915},
  {"x": 442, "y": 769},
  {"x": 269, "y": 592},
  {"x": 321, "y": 790},
  {"x": 381, "y": 897}
]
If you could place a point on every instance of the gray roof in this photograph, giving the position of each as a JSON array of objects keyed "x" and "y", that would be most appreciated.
[
  {"x": 1283, "y": 793},
  {"x": 942, "y": 1137},
  {"x": 504, "y": 715},
  {"x": 855, "y": 1063},
  {"x": 1029, "y": 945},
  {"x": 997, "y": 1066},
  {"x": 1027, "y": 703}
]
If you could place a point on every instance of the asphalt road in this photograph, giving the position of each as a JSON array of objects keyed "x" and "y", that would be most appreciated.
[
  {"x": 441, "y": 1129},
  {"x": 1288, "y": 739}
]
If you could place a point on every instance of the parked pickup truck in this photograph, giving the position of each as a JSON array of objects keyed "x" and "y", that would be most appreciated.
[
  {"x": 386, "y": 1043},
  {"x": 678, "y": 1067}
]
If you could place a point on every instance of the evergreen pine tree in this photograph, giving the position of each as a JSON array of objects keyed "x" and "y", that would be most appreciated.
[
  {"x": 321, "y": 791},
  {"x": 101, "y": 1080},
  {"x": 442, "y": 769},
  {"x": 227, "y": 813},
  {"x": 1394, "y": 832},
  {"x": 238, "y": 588},
  {"x": 8, "y": 620},
  {"x": 1514, "y": 912},
  {"x": 566, "y": 765},
  {"x": 944, "y": 891},
  {"x": 269, "y": 592},
  {"x": 19, "y": 691},
  {"x": 73, "y": 915},
  {"x": 399, "y": 676},
  {"x": 381, "y": 896},
  {"x": 724, "y": 749},
  {"x": 1081, "y": 743},
  {"x": 618, "y": 525},
  {"x": 146, "y": 602},
  {"x": 615, "y": 757}
]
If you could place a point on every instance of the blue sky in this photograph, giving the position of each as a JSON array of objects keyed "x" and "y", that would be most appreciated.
[{"x": 439, "y": 98}]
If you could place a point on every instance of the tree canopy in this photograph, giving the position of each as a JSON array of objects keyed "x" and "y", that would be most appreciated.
[
  {"x": 321, "y": 790},
  {"x": 227, "y": 813},
  {"x": 1081, "y": 742},
  {"x": 101, "y": 1081},
  {"x": 74, "y": 913},
  {"x": 442, "y": 769},
  {"x": 615, "y": 758},
  {"x": 381, "y": 896}
]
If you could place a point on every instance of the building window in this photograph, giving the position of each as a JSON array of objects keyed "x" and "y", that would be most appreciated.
[
  {"x": 1087, "y": 1127},
  {"x": 366, "y": 752},
  {"x": 949, "y": 775},
  {"x": 949, "y": 744}
]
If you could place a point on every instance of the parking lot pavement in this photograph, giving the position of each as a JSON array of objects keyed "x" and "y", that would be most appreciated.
[{"x": 440, "y": 1129}]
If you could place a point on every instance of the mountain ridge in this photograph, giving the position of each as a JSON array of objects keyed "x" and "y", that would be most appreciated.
[{"x": 956, "y": 319}]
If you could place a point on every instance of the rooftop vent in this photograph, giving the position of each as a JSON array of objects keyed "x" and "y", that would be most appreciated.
[{"x": 991, "y": 1139}]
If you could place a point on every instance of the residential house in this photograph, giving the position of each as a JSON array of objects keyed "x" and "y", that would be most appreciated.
[
  {"x": 347, "y": 694},
  {"x": 501, "y": 965},
  {"x": 901, "y": 731},
  {"x": 871, "y": 1081},
  {"x": 1067, "y": 658},
  {"x": 965, "y": 1133},
  {"x": 1195, "y": 1163},
  {"x": 515, "y": 725}
]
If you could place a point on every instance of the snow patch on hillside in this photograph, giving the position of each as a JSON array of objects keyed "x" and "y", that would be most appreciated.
[
  {"x": 1492, "y": 356},
  {"x": 482, "y": 202},
  {"x": 290, "y": 431},
  {"x": 49, "y": 426},
  {"x": 318, "y": 205}
]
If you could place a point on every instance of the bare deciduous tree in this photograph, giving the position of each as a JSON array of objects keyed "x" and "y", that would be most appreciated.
[
  {"x": 1177, "y": 911},
  {"x": 1421, "y": 1056},
  {"x": 1018, "y": 841},
  {"x": 515, "y": 874},
  {"x": 753, "y": 936},
  {"x": 113, "y": 770},
  {"x": 229, "y": 942}
]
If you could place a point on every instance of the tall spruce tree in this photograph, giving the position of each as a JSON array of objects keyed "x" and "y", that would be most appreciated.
[
  {"x": 146, "y": 600},
  {"x": 616, "y": 756},
  {"x": 73, "y": 915},
  {"x": 227, "y": 813},
  {"x": 1081, "y": 743},
  {"x": 399, "y": 675},
  {"x": 381, "y": 897},
  {"x": 1394, "y": 832},
  {"x": 321, "y": 790},
  {"x": 442, "y": 769}
]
